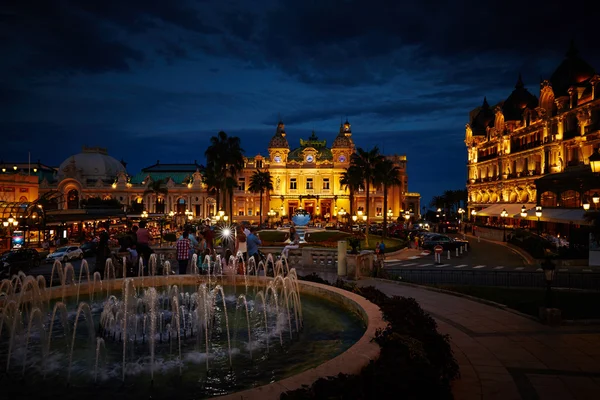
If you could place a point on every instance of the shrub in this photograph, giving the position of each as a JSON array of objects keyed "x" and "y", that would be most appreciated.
[{"x": 416, "y": 362}]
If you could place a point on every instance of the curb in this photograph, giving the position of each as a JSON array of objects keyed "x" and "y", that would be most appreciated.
[{"x": 466, "y": 296}]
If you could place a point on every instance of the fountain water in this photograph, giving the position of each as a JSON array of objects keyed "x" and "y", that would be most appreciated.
[{"x": 188, "y": 314}]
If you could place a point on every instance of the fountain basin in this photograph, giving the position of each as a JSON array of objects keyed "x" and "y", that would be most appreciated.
[{"x": 351, "y": 361}]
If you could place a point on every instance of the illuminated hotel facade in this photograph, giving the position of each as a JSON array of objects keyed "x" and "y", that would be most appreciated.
[{"x": 529, "y": 151}]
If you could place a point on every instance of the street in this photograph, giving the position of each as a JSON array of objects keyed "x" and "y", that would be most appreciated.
[{"x": 45, "y": 269}]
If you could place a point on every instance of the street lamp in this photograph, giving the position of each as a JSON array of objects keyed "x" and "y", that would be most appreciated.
[
  {"x": 473, "y": 214},
  {"x": 390, "y": 214},
  {"x": 549, "y": 269},
  {"x": 144, "y": 214},
  {"x": 407, "y": 216},
  {"x": 504, "y": 214},
  {"x": 596, "y": 199},
  {"x": 461, "y": 212},
  {"x": 538, "y": 214},
  {"x": 586, "y": 204},
  {"x": 595, "y": 161}
]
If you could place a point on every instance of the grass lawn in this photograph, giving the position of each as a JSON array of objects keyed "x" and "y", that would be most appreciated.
[
  {"x": 273, "y": 236},
  {"x": 573, "y": 304},
  {"x": 391, "y": 244},
  {"x": 326, "y": 236}
]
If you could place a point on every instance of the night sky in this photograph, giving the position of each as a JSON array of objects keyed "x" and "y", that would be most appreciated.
[{"x": 154, "y": 79}]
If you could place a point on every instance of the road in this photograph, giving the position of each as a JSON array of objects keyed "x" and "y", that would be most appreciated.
[
  {"x": 45, "y": 269},
  {"x": 481, "y": 256}
]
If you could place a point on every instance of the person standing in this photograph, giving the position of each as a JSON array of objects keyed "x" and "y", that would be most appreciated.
[
  {"x": 252, "y": 243},
  {"x": 183, "y": 246},
  {"x": 240, "y": 243}
]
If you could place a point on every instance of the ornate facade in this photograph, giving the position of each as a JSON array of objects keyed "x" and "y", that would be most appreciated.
[
  {"x": 307, "y": 176},
  {"x": 521, "y": 139}
]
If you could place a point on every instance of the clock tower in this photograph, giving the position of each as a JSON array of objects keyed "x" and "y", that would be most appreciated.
[
  {"x": 279, "y": 147},
  {"x": 343, "y": 146}
]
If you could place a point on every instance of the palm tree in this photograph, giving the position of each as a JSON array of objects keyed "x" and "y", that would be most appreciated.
[
  {"x": 212, "y": 180},
  {"x": 387, "y": 174},
  {"x": 352, "y": 180},
  {"x": 157, "y": 188},
  {"x": 366, "y": 162},
  {"x": 230, "y": 185},
  {"x": 260, "y": 182},
  {"x": 224, "y": 158}
]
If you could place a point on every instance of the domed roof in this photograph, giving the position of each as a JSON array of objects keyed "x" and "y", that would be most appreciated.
[
  {"x": 571, "y": 72},
  {"x": 91, "y": 164},
  {"x": 279, "y": 140},
  {"x": 484, "y": 118},
  {"x": 518, "y": 100}
]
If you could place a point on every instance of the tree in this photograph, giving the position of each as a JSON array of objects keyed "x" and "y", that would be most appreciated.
[
  {"x": 388, "y": 175},
  {"x": 157, "y": 188},
  {"x": 366, "y": 162},
  {"x": 224, "y": 158},
  {"x": 352, "y": 180},
  {"x": 260, "y": 182},
  {"x": 212, "y": 180}
]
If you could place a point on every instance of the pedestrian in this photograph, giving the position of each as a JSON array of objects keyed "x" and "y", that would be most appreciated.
[
  {"x": 252, "y": 243},
  {"x": 417, "y": 242},
  {"x": 382, "y": 250},
  {"x": 183, "y": 246},
  {"x": 240, "y": 243}
]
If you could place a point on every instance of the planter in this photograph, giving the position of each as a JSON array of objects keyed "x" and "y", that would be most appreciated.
[{"x": 358, "y": 265}]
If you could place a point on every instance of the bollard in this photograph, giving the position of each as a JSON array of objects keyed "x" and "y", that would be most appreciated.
[
  {"x": 478, "y": 240},
  {"x": 465, "y": 248},
  {"x": 457, "y": 251},
  {"x": 448, "y": 254},
  {"x": 461, "y": 249}
]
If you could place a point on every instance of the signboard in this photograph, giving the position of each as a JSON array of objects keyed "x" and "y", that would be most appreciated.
[
  {"x": 438, "y": 249},
  {"x": 18, "y": 239}
]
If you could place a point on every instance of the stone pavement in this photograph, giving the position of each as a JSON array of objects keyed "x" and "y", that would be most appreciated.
[{"x": 506, "y": 356}]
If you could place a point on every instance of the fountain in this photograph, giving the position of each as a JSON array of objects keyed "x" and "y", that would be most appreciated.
[
  {"x": 301, "y": 218},
  {"x": 211, "y": 334}
]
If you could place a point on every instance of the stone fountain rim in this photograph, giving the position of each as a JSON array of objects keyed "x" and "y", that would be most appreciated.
[{"x": 352, "y": 361}]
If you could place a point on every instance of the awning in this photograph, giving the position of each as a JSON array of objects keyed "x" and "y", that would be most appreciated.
[
  {"x": 513, "y": 210},
  {"x": 560, "y": 215}
]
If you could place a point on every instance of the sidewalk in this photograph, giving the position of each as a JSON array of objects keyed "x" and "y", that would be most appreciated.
[{"x": 506, "y": 356}]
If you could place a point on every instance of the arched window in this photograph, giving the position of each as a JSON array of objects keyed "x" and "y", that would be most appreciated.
[
  {"x": 160, "y": 205},
  {"x": 548, "y": 199},
  {"x": 181, "y": 205},
  {"x": 137, "y": 206},
  {"x": 73, "y": 199},
  {"x": 570, "y": 199}
]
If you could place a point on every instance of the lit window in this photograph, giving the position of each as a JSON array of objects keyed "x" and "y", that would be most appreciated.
[
  {"x": 242, "y": 184},
  {"x": 293, "y": 183},
  {"x": 325, "y": 183},
  {"x": 309, "y": 183}
]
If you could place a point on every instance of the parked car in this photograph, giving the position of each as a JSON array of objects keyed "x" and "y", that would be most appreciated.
[
  {"x": 89, "y": 248},
  {"x": 65, "y": 254},
  {"x": 13, "y": 261},
  {"x": 447, "y": 243},
  {"x": 448, "y": 226}
]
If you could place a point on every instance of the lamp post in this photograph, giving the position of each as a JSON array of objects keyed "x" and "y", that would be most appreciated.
[
  {"x": 473, "y": 214},
  {"x": 549, "y": 270},
  {"x": 504, "y": 214},
  {"x": 538, "y": 214},
  {"x": 144, "y": 214},
  {"x": 596, "y": 200},
  {"x": 461, "y": 211},
  {"x": 406, "y": 217},
  {"x": 390, "y": 214},
  {"x": 523, "y": 214},
  {"x": 271, "y": 214}
]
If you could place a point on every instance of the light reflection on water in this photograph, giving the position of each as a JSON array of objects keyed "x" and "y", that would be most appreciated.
[{"x": 328, "y": 331}]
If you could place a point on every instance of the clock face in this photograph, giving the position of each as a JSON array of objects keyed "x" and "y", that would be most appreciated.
[
  {"x": 342, "y": 158},
  {"x": 277, "y": 159},
  {"x": 310, "y": 158}
]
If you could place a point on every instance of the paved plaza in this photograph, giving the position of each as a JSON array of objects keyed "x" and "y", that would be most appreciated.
[{"x": 506, "y": 356}]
